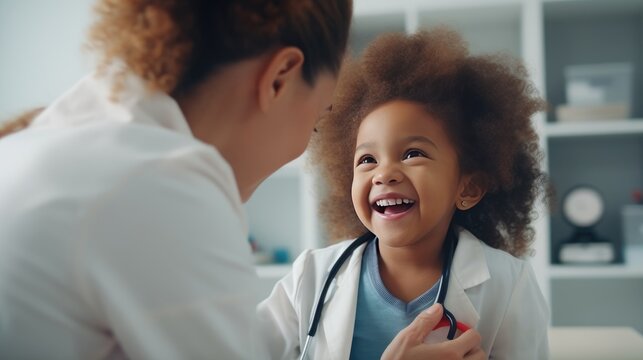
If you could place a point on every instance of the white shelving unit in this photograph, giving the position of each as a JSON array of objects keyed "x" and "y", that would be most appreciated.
[
  {"x": 632, "y": 268},
  {"x": 605, "y": 154},
  {"x": 547, "y": 35},
  {"x": 597, "y": 128}
]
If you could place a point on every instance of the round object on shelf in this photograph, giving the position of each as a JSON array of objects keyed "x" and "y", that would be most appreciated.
[{"x": 583, "y": 206}]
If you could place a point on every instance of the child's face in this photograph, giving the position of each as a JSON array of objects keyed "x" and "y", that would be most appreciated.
[{"x": 404, "y": 156}]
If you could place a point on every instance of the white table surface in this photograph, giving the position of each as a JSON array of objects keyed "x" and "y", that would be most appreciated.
[{"x": 589, "y": 343}]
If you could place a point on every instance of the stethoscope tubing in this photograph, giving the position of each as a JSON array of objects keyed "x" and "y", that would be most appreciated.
[{"x": 329, "y": 279}]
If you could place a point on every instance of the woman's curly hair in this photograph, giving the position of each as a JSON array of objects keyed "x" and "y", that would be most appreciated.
[
  {"x": 174, "y": 44},
  {"x": 485, "y": 103},
  {"x": 20, "y": 122}
]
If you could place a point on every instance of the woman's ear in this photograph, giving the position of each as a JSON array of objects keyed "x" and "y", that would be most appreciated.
[
  {"x": 473, "y": 187},
  {"x": 282, "y": 68}
]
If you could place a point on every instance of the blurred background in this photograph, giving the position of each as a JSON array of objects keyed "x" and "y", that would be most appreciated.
[{"x": 584, "y": 57}]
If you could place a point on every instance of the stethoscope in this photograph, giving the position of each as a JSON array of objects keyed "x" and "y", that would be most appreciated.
[{"x": 451, "y": 243}]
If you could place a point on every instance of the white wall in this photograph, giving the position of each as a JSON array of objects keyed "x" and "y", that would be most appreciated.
[{"x": 41, "y": 51}]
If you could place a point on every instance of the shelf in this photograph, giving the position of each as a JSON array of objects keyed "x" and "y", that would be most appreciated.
[
  {"x": 594, "y": 128},
  {"x": 273, "y": 271},
  {"x": 596, "y": 272},
  {"x": 362, "y": 7},
  {"x": 633, "y": 268},
  {"x": 564, "y": 9}
]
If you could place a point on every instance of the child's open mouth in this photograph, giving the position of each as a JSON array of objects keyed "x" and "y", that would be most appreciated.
[{"x": 392, "y": 206}]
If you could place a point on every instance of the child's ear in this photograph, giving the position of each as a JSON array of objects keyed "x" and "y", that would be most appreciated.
[
  {"x": 283, "y": 67},
  {"x": 473, "y": 187}
]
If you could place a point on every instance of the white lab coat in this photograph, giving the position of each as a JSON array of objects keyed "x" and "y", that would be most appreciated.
[
  {"x": 121, "y": 235},
  {"x": 489, "y": 289}
]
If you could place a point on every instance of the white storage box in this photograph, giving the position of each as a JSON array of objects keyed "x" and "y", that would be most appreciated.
[
  {"x": 575, "y": 113},
  {"x": 597, "y": 92},
  {"x": 599, "y": 84},
  {"x": 633, "y": 224}
]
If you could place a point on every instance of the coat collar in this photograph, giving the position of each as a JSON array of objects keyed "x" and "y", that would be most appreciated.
[
  {"x": 469, "y": 269},
  {"x": 92, "y": 100}
]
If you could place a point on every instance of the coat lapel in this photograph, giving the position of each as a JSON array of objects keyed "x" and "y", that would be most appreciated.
[
  {"x": 469, "y": 269},
  {"x": 338, "y": 318}
]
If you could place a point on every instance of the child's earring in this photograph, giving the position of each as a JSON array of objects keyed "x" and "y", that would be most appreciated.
[{"x": 464, "y": 205}]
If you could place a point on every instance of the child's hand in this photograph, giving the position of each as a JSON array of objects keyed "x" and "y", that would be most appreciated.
[{"x": 408, "y": 344}]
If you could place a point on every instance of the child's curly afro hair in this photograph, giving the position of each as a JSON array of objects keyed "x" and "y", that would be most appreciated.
[{"x": 486, "y": 104}]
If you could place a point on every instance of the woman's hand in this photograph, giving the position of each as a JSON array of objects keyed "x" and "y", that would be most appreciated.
[{"x": 408, "y": 344}]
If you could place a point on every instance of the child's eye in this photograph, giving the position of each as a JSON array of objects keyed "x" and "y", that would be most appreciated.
[
  {"x": 413, "y": 153},
  {"x": 366, "y": 159}
]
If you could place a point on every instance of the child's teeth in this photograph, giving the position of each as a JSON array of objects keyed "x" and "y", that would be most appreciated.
[{"x": 390, "y": 202}]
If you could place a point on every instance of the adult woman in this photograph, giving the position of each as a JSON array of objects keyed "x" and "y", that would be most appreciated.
[{"x": 122, "y": 230}]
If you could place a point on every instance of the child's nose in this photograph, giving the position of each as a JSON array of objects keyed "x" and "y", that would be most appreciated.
[{"x": 388, "y": 175}]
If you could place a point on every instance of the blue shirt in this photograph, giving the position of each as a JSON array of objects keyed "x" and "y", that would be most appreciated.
[{"x": 380, "y": 315}]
